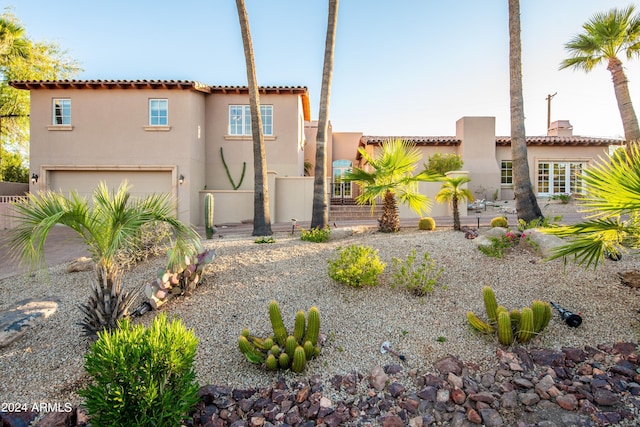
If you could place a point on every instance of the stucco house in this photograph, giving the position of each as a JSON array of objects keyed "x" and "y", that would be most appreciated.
[{"x": 187, "y": 139}]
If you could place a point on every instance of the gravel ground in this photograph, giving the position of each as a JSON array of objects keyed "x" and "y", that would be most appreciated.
[{"x": 46, "y": 364}]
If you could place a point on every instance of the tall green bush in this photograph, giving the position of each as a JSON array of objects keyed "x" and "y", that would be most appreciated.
[{"x": 141, "y": 376}]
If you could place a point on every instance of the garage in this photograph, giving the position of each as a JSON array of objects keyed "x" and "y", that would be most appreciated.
[{"x": 84, "y": 182}]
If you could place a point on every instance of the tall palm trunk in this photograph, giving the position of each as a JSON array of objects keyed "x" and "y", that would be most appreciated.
[
  {"x": 320, "y": 212},
  {"x": 389, "y": 222},
  {"x": 526, "y": 203},
  {"x": 261, "y": 216},
  {"x": 621, "y": 89},
  {"x": 456, "y": 212}
]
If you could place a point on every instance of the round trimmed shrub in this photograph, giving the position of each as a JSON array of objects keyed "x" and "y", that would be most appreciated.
[
  {"x": 427, "y": 223},
  {"x": 499, "y": 221},
  {"x": 356, "y": 265}
]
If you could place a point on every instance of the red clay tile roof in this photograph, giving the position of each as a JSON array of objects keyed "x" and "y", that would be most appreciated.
[
  {"x": 504, "y": 141},
  {"x": 417, "y": 140},
  {"x": 561, "y": 140},
  {"x": 162, "y": 84}
]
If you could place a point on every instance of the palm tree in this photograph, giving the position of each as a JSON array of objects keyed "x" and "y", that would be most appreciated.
[
  {"x": 612, "y": 197},
  {"x": 106, "y": 225},
  {"x": 261, "y": 215},
  {"x": 606, "y": 37},
  {"x": 13, "y": 41},
  {"x": 392, "y": 177},
  {"x": 452, "y": 192},
  {"x": 320, "y": 211},
  {"x": 526, "y": 202}
]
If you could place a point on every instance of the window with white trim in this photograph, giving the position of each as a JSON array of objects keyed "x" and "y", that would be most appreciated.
[
  {"x": 559, "y": 177},
  {"x": 61, "y": 111},
  {"x": 240, "y": 120},
  {"x": 158, "y": 112},
  {"x": 506, "y": 172}
]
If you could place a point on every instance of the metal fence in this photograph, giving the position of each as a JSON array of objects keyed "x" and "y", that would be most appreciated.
[{"x": 7, "y": 212}]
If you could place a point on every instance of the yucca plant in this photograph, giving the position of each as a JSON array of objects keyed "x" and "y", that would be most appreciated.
[
  {"x": 110, "y": 222},
  {"x": 612, "y": 197}
]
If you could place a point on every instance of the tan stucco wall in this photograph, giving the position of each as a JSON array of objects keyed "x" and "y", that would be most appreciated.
[
  {"x": 284, "y": 151},
  {"x": 108, "y": 129},
  {"x": 477, "y": 150}
]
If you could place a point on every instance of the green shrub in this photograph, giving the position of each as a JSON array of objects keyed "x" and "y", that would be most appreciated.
[
  {"x": 427, "y": 223},
  {"x": 153, "y": 239},
  {"x": 140, "y": 376},
  {"x": 264, "y": 239},
  {"x": 546, "y": 222},
  {"x": 356, "y": 266},
  {"x": 499, "y": 221},
  {"x": 418, "y": 279},
  {"x": 317, "y": 235},
  {"x": 563, "y": 197}
]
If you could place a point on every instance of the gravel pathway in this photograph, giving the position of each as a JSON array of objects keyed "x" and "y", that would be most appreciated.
[{"x": 46, "y": 364}]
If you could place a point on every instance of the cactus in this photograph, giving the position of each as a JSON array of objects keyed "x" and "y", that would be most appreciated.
[
  {"x": 313, "y": 326},
  {"x": 526, "y": 331},
  {"x": 515, "y": 316},
  {"x": 278, "y": 352},
  {"x": 299, "y": 326},
  {"x": 284, "y": 361},
  {"x": 275, "y": 350},
  {"x": 271, "y": 363},
  {"x": 208, "y": 216},
  {"x": 299, "y": 360},
  {"x": 268, "y": 343},
  {"x": 505, "y": 334},
  {"x": 490, "y": 304},
  {"x": 249, "y": 352},
  {"x": 478, "y": 324},
  {"x": 290, "y": 345},
  {"x": 276, "y": 323},
  {"x": 541, "y": 315},
  {"x": 309, "y": 349}
]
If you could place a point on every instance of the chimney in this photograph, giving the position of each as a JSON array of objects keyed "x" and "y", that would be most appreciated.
[{"x": 560, "y": 128}]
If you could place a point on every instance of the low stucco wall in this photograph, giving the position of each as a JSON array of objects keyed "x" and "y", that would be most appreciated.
[{"x": 13, "y": 189}]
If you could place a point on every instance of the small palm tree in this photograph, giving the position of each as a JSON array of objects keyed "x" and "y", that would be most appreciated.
[
  {"x": 106, "y": 225},
  {"x": 612, "y": 196},
  {"x": 392, "y": 177},
  {"x": 606, "y": 37},
  {"x": 453, "y": 192}
]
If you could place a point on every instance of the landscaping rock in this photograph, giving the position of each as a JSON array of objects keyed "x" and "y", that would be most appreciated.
[
  {"x": 80, "y": 264},
  {"x": 17, "y": 320}
]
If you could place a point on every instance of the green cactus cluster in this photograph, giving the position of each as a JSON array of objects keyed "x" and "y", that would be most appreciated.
[
  {"x": 510, "y": 326},
  {"x": 283, "y": 350}
]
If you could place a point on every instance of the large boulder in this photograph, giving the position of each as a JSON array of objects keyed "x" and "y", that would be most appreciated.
[
  {"x": 545, "y": 243},
  {"x": 16, "y": 321}
]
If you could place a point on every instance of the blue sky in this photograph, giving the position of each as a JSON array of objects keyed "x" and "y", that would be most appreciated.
[{"x": 407, "y": 67}]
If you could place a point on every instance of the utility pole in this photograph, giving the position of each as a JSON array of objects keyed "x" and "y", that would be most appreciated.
[{"x": 549, "y": 98}]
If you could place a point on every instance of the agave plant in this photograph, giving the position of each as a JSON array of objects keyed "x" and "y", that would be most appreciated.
[
  {"x": 108, "y": 223},
  {"x": 612, "y": 198}
]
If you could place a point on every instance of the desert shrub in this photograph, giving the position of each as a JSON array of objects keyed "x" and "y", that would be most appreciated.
[
  {"x": 418, "y": 279},
  {"x": 264, "y": 239},
  {"x": 427, "y": 223},
  {"x": 153, "y": 239},
  {"x": 510, "y": 240},
  {"x": 356, "y": 266},
  {"x": 563, "y": 197},
  {"x": 140, "y": 376},
  {"x": 317, "y": 235},
  {"x": 546, "y": 222},
  {"x": 499, "y": 221}
]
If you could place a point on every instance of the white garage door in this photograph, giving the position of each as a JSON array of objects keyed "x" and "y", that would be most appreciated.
[{"x": 84, "y": 183}]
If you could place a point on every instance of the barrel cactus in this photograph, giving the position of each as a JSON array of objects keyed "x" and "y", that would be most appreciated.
[
  {"x": 284, "y": 350},
  {"x": 208, "y": 216},
  {"x": 519, "y": 325}
]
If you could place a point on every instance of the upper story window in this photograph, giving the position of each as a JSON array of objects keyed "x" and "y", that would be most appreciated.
[
  {"x": 240, "y": 120},
  {"x": 61, "y": 111},
  {"x": 158, "y": 112},
  {"x": 506, "y": 172}
]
